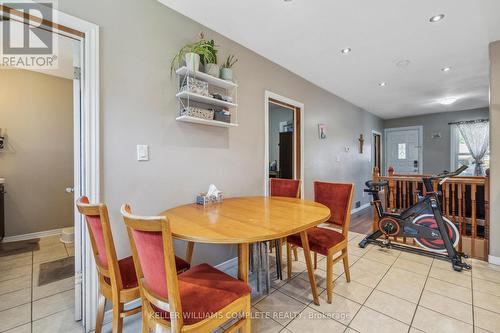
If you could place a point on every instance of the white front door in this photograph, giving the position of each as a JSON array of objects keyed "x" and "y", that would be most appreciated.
[{"x": 404, "y": 149}]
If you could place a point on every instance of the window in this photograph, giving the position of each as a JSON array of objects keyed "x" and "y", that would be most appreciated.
[
  {"x": 401, "y": 151},
  {"x": 460, "y": 154}
]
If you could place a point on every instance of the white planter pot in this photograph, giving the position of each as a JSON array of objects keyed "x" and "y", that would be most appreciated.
[
  {"x": 212, "y": 69},
  {"x": 226, "y": 74},
  {"x": 192, "y": 61}
]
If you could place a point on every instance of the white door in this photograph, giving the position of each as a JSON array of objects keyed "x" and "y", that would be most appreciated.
[{"x": 403, "y": 147}]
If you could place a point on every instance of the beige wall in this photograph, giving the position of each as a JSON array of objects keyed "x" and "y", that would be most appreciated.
[
  {"x": 138, "y": 106},
  {"x": 495, "y": 149},
  {"x": 36, "y": 110}
]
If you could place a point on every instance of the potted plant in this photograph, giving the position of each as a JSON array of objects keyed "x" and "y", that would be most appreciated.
[
  {"x": 226, "y": 72},
  {"x": 192, "y": 54},
  {"x": 210, "y": 64}
]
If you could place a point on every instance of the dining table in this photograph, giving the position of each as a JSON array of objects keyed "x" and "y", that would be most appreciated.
[{"x": 246, "y": 220}]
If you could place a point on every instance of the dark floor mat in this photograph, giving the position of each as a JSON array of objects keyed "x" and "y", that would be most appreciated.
[
  {"x": 11, "y": 248},
  {"x": 56, "y": 270}
]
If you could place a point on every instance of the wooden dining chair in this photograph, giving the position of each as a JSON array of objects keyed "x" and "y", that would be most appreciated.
[
  {"x": 290, "y": 188},
  {"x": 326, "y": 241},
  {"x": 199, "y": 300},
  {"x": 117, "y": 278}
]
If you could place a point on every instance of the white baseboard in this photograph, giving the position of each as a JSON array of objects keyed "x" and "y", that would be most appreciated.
[
  {"x": 494, "y": 260},
  {"x": 32, "y": 235},
  {"x": 355, "y": 210}
]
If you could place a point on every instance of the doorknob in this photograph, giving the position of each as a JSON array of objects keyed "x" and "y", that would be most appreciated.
[{"x": 69, "y": 190}]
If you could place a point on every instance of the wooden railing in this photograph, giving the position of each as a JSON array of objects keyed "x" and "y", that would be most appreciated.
[{"x": 464, "y": 201}]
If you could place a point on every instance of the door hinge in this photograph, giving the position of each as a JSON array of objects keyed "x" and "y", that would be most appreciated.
[
  {"x": 78, "y": 278},
  {"x": 77, "y": 73}
]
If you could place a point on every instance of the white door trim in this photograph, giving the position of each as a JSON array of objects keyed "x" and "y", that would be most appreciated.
[
  {"x": 420, "y": 139},
  {"x": 382, "y": 157},
  {"x": 270, "y": 95}
]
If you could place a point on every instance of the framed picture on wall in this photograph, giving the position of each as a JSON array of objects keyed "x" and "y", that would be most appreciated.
[{"x": 322, "y": 131}]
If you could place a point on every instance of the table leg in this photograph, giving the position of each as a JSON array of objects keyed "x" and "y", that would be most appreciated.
[
  {"x": 243, "y": 262},
  {"x": 310, "y": 270},
  {"x": 189, "y": 252}
]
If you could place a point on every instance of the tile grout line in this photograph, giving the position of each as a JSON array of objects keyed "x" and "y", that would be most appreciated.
[{"x": 421, "y": 293}]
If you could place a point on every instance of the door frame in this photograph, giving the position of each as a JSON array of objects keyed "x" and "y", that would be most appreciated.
[
  {"x": 87, "y": 148},
  {"x": 420, "y": 129},
  {"x": 382, "y": 151},
  {"x": 269, "y": 97}
]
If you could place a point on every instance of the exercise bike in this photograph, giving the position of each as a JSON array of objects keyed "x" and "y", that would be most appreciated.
[{"x": 423, "y": 222}]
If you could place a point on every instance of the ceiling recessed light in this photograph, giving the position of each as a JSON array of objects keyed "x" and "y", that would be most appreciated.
[
  {"x": 446, "y": 69},
  {"x": 382, "y": 84},
  {"x": 436, "y": 18},
  {"x": 403, "y": 63},
  {"x": 346, "y": 50},
  {"x": 448, "y": 100}
]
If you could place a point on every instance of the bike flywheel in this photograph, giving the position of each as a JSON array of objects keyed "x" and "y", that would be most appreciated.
[{"x": 436, "y": 245}]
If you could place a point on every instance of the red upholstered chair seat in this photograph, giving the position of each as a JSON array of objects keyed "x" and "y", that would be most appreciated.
[
  {"x": 320, "y": 239},
  {"x": 127, "y": 271},
  {"x": 204, "y": 290}
]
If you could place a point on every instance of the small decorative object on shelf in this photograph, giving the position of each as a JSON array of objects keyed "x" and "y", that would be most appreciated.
[
  {"x": 213, "y": 195},
  {"x": 192, "y": 54},
  {"x": 226, "y": 73}
]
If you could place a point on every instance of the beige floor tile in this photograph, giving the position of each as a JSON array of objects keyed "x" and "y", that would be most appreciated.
[
  {"x": 50, "y": 253},
  {"x": 313, "y": 321},
  {"x": 417, "y": 258},
  {"x": 367, "y": 278},
  {"x": 264, "y": 324},
  {"x": 350, "y": 330},
  {"x": 447, "y": 306},
  {"x": 487, "y": 301},
  {"x": 15, "y": 273},
  {"x": 26, "y": 328},
  {"x": 300, "y": 290},
  {"x": 61, "y": 322},
  {"x": 341, "y": 308},
  {"x": 52, "y": 304},
  {"x": 488, "y": 274},
  {"x": 446, "y": 265},
  {"x": 431, "y": 322},
  {"x": 450, "y": 290},
  {"x": 15, "y": 298},
  {"x": 15, "y": 317},
  {"x": 371, "y": 266},
  {"x": 354, "y": 249},
  {"x": 319, "y": 275},
  {"x": 484, "y": 264},
  {"x": 297, "y": 268},
  {"x": 368, "y": 320},
  {"x": 486, "y": 319},
  {"x": 412, "y": 266},
  {"x": 480, "y": 330},
  {"x": 403, "y": 284},
  {"x": 485, "y": 286},
  {"x": 15, "y": 284},
  {"x": 352, "y": 290},
  {"x": 380, "y": 256},
  {"x": 391, "y": 306},
  {"x": 451, "y": 276},
  {"x": 281, "y": 307},
  {"x": 414, "y": 330},
  {"x": 49, "y": 241},
  {"x": 52, "y": 288}
]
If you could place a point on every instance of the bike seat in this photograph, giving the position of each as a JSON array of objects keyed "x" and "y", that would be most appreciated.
[{"x": 373, "y": 186}]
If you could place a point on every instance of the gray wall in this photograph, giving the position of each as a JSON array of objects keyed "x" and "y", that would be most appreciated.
[
  {"x": 277, "y": 114},
  {"x": 36, "y": 110},
  {"x": 138, "y": 106},
  {"x": 495, "y": 150},
  {"x": 436, "y": 152}
]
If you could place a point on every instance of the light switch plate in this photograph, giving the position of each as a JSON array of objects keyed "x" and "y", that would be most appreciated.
[{"x": 142, "y": 153}]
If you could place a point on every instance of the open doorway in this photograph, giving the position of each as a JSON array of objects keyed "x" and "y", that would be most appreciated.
[
  {"x": 376, "y": 150},
  {"x": 284, "y": 141}
]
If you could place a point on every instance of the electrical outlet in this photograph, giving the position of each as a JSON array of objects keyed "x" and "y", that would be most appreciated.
[{"x": 358, "y": 204}]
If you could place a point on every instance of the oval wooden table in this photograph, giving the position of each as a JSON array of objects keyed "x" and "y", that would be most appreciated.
[{"x": 248, "y": 220}]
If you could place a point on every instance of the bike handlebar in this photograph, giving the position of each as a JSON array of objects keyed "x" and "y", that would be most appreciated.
[{"x": 450, "y": 174}]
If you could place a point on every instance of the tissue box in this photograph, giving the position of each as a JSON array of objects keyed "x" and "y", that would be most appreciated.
[
  {"x": 203, "y": 199},
  {"x": 222, "y": 115}
]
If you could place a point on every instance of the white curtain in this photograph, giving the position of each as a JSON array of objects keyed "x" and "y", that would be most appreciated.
[{"x": 477, "y": 138}]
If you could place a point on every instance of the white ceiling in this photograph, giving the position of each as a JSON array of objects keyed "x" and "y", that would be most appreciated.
[{"x": 306, "y": 37}]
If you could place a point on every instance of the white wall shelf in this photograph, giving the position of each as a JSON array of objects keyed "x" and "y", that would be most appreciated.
[
  {"x": 201, "y": 121},
  {"x": 204, "y": 99},
  {"x": 207, "y": 78}
]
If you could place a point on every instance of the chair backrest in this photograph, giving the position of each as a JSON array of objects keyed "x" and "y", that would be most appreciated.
[
  {"x": 154, "y": 261},
  {"x": 101, "y": 239},
  {"x": 338, "y": 197},
  {"x": 285, "y": 187}
]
